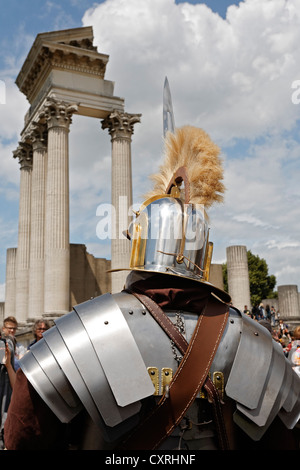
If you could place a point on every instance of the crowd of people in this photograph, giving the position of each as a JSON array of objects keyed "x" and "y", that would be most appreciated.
[
  {"x": 261, "y": 312},
  {"x": 288, "y": 338},
  {"x": 11, "y": 352}
]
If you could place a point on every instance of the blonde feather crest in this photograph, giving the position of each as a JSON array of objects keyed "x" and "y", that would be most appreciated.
[{"x": 192, "y": 148}]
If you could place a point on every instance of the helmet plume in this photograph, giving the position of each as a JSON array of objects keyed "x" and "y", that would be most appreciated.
[{"x": 191, "y": 148}]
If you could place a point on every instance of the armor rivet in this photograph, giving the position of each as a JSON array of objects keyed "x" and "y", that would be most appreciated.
[
  {"x": 130, "y": 312},
  {"x": 231, "y": 321},
  {"x": 152, "y": 372},
  {"x": 106, "y": 322},
  {"x": 256, "y": 334},
  {"x": 144, "y": 312},
  {"x": 166, "y": 373}
]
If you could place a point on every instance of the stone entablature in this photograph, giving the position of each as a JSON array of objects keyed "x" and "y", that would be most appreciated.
[
  {"x": 60, "y": 50},
  {"x": 66, "y": 66}
]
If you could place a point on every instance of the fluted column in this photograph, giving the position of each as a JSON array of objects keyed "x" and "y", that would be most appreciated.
[
  {"x": 57, "y": 244},
  {"x": 10, "y": 282},
  {"x": 24, "y": 154},
  {"x": 120, "y": 127},
  {"x": 37, "y": 135},
  {"x": 238, "y": 276}
]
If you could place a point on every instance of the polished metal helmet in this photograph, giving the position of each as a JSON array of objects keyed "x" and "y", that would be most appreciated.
[{"x": 171, "y": 236}]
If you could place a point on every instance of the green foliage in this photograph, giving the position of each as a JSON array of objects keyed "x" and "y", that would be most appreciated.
[
  {"x": 225, "y": 277},
  {"x": 261, "y": 283}
]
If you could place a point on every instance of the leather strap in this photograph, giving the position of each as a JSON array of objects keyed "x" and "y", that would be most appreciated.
[
  {"x": 163, "y": 320},
  {"x": 189, "y": 377}
]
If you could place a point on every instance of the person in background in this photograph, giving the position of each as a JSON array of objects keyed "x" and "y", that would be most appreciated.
[
  {"x": 273, "y": 315},
  {"x": 247, "y": 311},
  {"x": 7, "y": 379},
  {"x": 9, "y": 328},
  {"x": 9, "y": 365},
  {"x": 268, "y": 313},
  {"x": 255, "y": 312},
  {"x": 262, "y": 313},
  {"x": 294, "y": 349},
  {"x": 38, "y": 329}
]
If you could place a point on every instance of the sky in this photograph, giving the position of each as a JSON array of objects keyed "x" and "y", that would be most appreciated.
[{"x": 233, "y": 70}]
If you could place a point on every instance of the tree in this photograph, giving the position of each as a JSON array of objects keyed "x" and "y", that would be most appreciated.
[{"x": 261, "y": 283}]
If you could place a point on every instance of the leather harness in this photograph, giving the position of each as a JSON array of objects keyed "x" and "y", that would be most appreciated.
[{"x": 189, "y": 378}]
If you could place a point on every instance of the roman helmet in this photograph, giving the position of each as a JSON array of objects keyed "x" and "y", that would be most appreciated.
[{"x": 170, "y": 232}]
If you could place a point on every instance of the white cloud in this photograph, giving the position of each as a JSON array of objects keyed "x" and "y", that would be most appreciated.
[
  {"x": 283, "y": 244},
  {"x": 252, "y": 220},
  {"x": 211, "y": 59},
  {"x": 227, "y": 75}
]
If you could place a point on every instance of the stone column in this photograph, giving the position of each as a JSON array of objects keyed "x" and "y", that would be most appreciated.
[
  {"x": 216, "y": 275},
  {"x": 120, "y": 126},
  {"x": 57, "y": 244},
  {"x": 10, "y": 282},
  {"x": 288, "y": 303},
  {"x": 24, "y": 154},
  {"x": 238, "y": 276},
  {"x": 38, "y": 137}
]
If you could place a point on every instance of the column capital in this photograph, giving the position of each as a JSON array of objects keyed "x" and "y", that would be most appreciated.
[
  {"x": 24, "y": 154},
  {"x": 57, "y": 113},
  {"x": 120, "y": 124},
  {"x": 36, "y": 135}
]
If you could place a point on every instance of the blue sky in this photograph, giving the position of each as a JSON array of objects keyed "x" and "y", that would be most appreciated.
[{"x": 230, "y": 71}]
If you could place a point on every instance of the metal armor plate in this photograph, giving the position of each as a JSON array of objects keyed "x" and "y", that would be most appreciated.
[
  {"x": 106, "y": 328},
  {"x": 110, "y": 351},
  {"x": 254, "y": 343},
  {"x": 262, "y": 382},
  {"x": 70, "y": 358}
]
